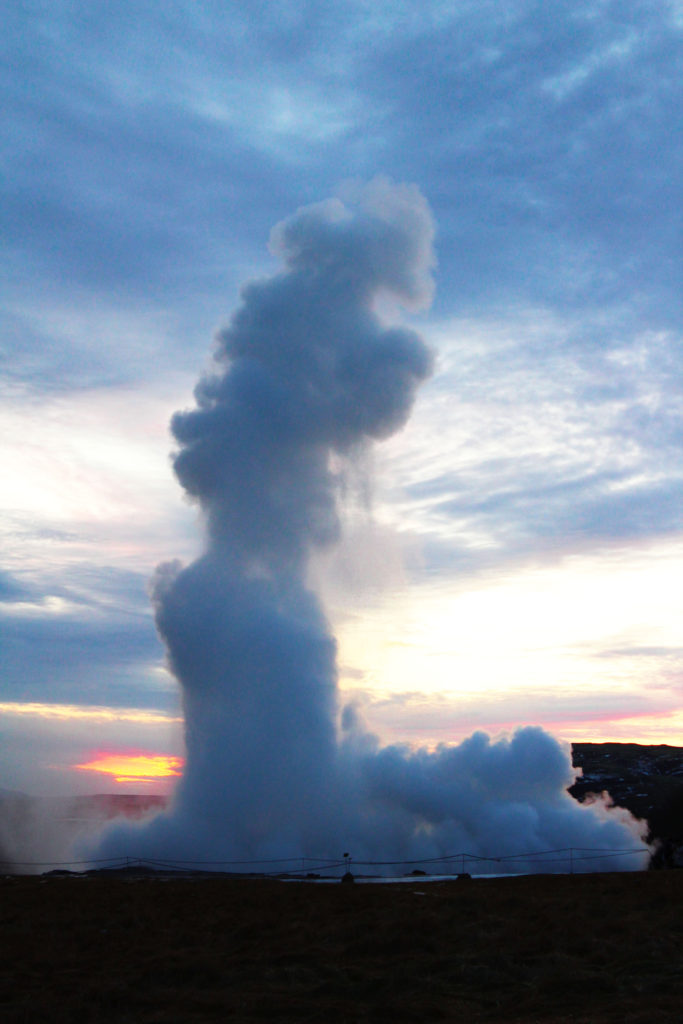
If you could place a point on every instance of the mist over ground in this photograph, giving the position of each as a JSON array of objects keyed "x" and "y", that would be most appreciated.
[{"x": 306, "y": 375}]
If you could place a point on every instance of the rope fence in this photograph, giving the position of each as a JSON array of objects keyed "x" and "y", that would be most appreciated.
[{"x": 453, "y": 864}]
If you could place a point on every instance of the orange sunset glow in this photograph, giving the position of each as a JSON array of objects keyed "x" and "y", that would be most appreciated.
[{"x": 134, "y": 767}]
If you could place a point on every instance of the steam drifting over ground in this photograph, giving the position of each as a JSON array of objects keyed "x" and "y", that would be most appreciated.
[{"x": 305, "y": 375}]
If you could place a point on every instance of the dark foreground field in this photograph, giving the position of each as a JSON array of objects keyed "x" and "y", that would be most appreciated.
[{"x": 589, "y": 948}]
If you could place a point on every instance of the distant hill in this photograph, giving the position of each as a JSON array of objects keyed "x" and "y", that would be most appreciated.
[
  {"x": 105, "y": 806},
  {"x": 647, "y": 780},
  {"x": 36, "y": 832}
]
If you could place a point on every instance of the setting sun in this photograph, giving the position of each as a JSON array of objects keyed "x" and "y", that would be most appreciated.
[{"x": 134, "y": 767}]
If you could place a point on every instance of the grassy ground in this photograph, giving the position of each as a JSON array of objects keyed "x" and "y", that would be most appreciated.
[{"x": 591, "y": 948}]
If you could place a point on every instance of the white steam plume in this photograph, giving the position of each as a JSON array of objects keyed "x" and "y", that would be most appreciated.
[{"x": 305, "y": 369}]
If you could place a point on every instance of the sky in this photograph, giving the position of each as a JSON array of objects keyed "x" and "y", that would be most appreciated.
[{"x": 513, "y": 555}]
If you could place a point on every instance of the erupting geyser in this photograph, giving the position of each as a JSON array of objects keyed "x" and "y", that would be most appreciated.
[{"x": 307, "y": 369}]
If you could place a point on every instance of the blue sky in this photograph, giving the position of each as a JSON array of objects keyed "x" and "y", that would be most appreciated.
[{"x": 517, "y": 553}]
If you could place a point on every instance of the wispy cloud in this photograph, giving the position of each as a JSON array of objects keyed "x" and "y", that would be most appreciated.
[{"x": 81, "y": 712}]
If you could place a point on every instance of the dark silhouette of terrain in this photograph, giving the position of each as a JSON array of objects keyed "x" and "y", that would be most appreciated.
[
  {"x": 647, "y": 780},
  {"x": 541, "y": 949}
]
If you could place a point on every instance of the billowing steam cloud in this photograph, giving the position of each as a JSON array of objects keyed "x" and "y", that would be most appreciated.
[{"x": 307, "y": 369}]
